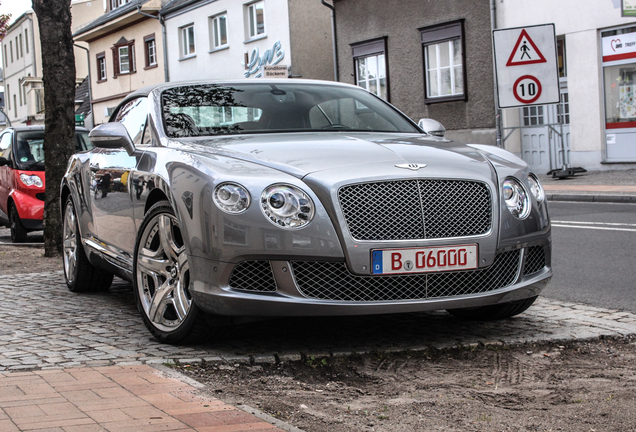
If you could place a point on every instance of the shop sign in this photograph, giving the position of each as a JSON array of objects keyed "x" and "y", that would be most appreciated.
[
  {"x": 255, "y": 62},
  {"x": 526, "y": 66},
  {"x": 619, "y": 47},
  {"x": 278, "y": 71},
  {"x": 628, "y": 8}
]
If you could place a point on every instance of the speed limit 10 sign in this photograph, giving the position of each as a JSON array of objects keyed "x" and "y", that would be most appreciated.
[{"x": 526, "y": 66}]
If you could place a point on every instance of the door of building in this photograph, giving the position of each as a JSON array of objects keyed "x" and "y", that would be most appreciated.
[{"x": 545, "y": 134}]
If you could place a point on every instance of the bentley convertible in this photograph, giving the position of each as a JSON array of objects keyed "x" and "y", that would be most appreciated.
[{"x": 297, "y": 198}]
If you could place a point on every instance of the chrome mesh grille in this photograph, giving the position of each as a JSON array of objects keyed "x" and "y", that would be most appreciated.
[
  {"x": 535, "y": 260},
  {"x": 253, "y": 276},
  {"x": 416, "y": 209},
  {"x": 332, "y": 281}
]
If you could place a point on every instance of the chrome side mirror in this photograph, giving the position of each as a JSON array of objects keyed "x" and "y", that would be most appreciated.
[
  {"x": 432, "y": 127},
  {"x": 112, "y": 135}
]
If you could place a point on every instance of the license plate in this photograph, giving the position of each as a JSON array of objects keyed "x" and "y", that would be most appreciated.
[{"x": 424, "y": 260}]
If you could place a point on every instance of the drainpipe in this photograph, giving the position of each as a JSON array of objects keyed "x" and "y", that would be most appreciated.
[
  {"x": 334, "y": 39},
  {"x": 90, "y": 85},
  {"x": 35, "y": 69},
  {"x": 493, "y": 26},
  {"x": 162, "y": 21},
  {"x": 6, "y": 117}
]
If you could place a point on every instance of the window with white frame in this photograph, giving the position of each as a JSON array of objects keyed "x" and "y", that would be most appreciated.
[
  {"x": 124, "y": 57},
  {"x": 101, "y": 66},
  {"x": 444, "y": 62},
  {"x": 218, "y": 31},
  {"x": 370, "y": 66},
  {"x": 117, "y": 3},
  {"x": 187, "y": 41},
  {"x": 150, "y": 47},
  {"x": 255, "y": 19}
]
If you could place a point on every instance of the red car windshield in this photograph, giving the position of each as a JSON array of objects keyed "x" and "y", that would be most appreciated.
[{"x": 29, "y": 149}]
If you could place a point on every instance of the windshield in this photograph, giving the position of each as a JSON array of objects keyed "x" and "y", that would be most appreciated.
[
  {"x": 203, "y": 110},
  {"x": 29, "y": 150}
]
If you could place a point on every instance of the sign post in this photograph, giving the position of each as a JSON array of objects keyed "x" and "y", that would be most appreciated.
[{"x": 526, "y": 66}]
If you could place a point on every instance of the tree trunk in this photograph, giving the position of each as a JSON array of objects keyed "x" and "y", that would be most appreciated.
[{"x": 58, "y": 70}]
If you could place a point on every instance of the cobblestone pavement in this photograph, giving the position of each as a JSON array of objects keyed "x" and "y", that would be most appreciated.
[{"x": 43, "y": 325}]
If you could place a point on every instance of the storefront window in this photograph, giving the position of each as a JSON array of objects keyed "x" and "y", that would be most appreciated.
[{"x": 620, "y": 101}]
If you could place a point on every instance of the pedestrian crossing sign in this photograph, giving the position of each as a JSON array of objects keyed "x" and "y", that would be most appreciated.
[{"x": 525, "y": 51}]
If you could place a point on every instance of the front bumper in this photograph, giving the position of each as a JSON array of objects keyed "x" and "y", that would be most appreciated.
[{"x": 289, "y": 288}]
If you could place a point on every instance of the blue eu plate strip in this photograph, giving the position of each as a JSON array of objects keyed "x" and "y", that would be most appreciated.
[{"x": 377, "y": 262}]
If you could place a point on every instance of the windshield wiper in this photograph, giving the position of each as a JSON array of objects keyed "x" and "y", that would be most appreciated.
[{"x": 32, "y": 165}]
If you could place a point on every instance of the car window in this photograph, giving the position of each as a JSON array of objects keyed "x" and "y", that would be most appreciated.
[
  {"x": 5, "y": 145},
  {"x": 82, "y": 143},
  {"x": 133, "y": 116},
  {"x": 200, "y": 110}
]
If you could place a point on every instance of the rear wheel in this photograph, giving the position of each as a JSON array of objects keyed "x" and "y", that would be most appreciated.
[
  {"x": 162, "y": 281},
  {"x": 80, "y": 274},
  {"x": 493, "y": 312},
  {"x": 18, "y": 231}
]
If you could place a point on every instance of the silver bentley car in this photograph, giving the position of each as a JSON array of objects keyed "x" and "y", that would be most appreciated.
[{"x": 297, "y": 198}]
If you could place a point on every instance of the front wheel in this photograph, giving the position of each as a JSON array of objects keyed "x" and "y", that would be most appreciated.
[
  {"x": 80, "y": 274},
  {"x": 161, "y": 280},
  {"x": 493, "y": 312}
]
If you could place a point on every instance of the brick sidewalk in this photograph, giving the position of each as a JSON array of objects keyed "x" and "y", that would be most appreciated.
[{"x": 114, "y": 398}]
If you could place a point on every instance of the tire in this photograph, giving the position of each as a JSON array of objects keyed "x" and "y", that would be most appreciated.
[
  {"x": 161, "y": 281},
  {"x": 18, "y": 231},
  {"x": 493, "y": 312},
  {"x": 80, "y": 274}
]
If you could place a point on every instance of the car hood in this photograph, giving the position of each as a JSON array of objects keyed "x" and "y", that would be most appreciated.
[{"x": 347, "y": 155}]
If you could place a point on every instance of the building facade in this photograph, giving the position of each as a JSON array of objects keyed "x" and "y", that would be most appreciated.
[
  {"x": 228, "y": 39},
  {"x": 594, "y": 125},
  {"x": 430, "y": 59},
  {"x": 126, "y": 53},
  {"x": 22, "y": 56}
]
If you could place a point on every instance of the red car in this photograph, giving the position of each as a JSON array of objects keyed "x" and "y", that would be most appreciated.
[{"x": 22, "y": 177}]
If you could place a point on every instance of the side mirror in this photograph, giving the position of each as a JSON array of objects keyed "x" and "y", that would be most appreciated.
[
  {"x": 112, "y": 135},
  {"x": 432, "y": 127},
  {"x": 3, "y": 161}
]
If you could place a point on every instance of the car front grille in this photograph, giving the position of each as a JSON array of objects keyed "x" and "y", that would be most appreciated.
[
  {"x": 253, "y": 276},
  {"x": 333, "y": 281},
  {"x": 535, "y": 260},
  {"x": 416, "y": 209}
]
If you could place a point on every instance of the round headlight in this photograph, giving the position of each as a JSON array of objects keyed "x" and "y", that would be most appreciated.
[
  {"x": 516, "y": 199},
  {"x": 535, "y": 188},
  {"x": 287, "y": 206},
  {"x": 31, "y": 180},
  {"x": 232, "y": 198}
]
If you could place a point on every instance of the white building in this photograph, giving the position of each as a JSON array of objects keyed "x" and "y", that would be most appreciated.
[
  {"x": 596, "y": 49},
  {"x": 22, "y": 56},
  {"x": 230, "y": 39}
]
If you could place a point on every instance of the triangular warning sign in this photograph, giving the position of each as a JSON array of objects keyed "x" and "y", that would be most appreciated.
[{"x": 525, "y": 52}]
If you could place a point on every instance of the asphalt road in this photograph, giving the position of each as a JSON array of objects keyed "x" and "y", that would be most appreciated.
[{"x": 594, "y": 254}]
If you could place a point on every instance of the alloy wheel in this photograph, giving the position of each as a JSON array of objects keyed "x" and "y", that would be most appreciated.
[
  {"x": 163, "y": 273},
  {"x": 69, "y": 236}
]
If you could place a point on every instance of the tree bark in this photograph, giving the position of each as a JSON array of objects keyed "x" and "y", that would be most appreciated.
[{"x": 58, "y": 70}]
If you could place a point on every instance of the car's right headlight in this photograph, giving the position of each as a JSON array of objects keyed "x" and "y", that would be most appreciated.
[
  {"x": 232, "y": 198},
  {"x": 287, "y": 206},
  {"x": 535, "y": 188},
  {"x": 516, "y": 198}
]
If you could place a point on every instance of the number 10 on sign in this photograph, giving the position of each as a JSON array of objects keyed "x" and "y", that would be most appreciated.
[{"x": 527, "y": 89}]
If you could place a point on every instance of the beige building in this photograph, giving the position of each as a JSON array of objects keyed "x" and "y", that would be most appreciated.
[
  {"x": 22, "y": 56},
  {"x": 126, "y": 52}
]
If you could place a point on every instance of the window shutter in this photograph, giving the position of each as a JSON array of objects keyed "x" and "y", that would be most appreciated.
[{"x": 115, "y": 61}]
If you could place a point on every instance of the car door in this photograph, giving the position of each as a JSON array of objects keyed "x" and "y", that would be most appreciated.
[
  {"x": 6, "y": 173},
  {"x": 112, "y": 189}
]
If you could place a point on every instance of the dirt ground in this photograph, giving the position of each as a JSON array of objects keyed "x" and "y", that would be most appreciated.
[
  {"x": 578, "y": 386},
  {"x": 26, "y": 259},
  {"x": 583, "y": 386}
]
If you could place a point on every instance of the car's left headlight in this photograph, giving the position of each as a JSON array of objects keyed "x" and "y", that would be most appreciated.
[
  {"x": 287, "y": 206},
  {"x": 535, "y": 188},
  {"x": 516, "y": 198},
  {"x": 31, "y": 180}
]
